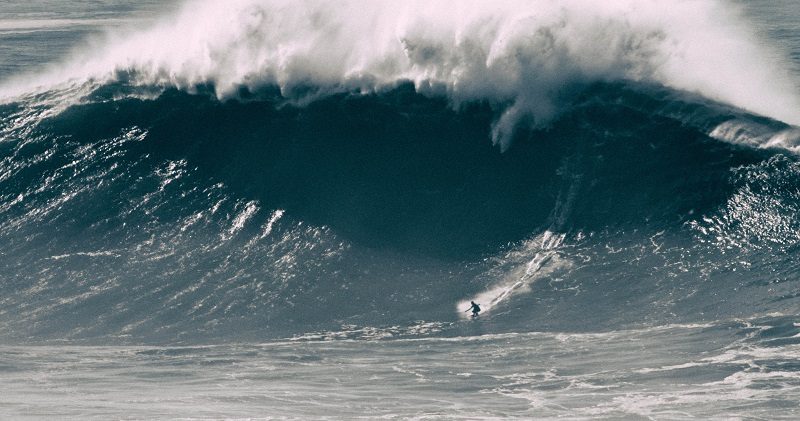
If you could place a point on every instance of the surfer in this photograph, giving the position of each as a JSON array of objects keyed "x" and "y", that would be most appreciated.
[{"x": 475, "y": 309}]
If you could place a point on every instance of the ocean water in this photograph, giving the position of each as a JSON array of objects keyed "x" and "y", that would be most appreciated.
[
  {"x": 270, "y": 209},
  {"x": 709, "y": 371}
]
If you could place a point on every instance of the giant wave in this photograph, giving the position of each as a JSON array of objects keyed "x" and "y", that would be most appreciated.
[{"x": 309, "y": 165}]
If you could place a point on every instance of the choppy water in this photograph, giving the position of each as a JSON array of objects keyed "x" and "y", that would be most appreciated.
[
  {"x": 735, "y": 370},
  {"x": 265, "y": 209}
]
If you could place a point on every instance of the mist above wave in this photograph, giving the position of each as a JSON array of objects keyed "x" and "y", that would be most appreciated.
[{"x": 527, "y": 58}]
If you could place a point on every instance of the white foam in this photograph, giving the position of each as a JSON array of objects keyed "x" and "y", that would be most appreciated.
[
  {"x": 523, "y": 55},
  {"x": 756, "y": 135},
  {"x": 542, "y": 260}
]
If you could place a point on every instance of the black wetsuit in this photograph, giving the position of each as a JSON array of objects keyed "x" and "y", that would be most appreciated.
[{"x": 475, "y": 309}]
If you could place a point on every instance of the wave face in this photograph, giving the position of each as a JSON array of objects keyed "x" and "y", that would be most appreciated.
[{"x": 272, "y": 177}]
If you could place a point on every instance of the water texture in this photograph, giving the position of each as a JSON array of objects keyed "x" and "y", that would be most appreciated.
[{"x": 257, "y": 209}]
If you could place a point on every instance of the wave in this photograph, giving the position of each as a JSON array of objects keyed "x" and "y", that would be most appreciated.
[
  {"x": 356, "y": 165},
  {"x": 405, "y": 169},
  {"x": 527, "y": 59},
  {"x": 187, "y": 218}
]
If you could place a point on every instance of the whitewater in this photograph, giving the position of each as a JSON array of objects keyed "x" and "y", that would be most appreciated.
[{"x": 264, "y": 209}]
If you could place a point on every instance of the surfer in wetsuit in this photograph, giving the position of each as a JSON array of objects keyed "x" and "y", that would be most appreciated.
[{"x": 475, "y": 309}]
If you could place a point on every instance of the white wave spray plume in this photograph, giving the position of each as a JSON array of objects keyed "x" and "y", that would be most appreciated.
[{"x": 525, "y": 57}]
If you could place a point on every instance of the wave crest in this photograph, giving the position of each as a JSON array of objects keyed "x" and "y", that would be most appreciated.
[{"x": 526, "y": 58}]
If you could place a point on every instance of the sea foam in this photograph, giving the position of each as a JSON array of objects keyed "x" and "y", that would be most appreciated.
[{"x": 526, "y": 58}]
